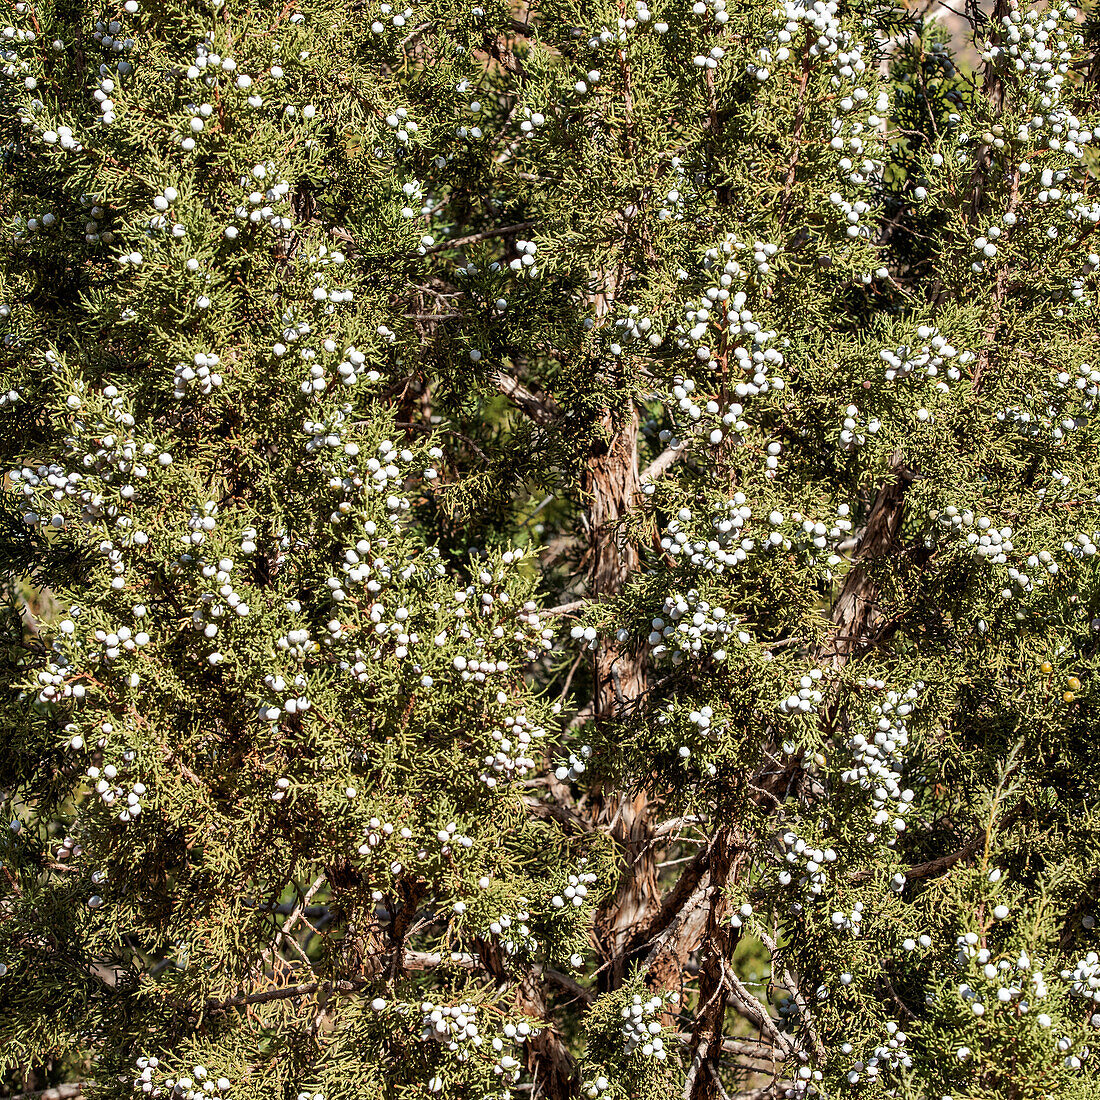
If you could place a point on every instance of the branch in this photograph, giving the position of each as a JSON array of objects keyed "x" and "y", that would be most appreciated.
[
  {"x": 751, "y": 1048},
  {"x": 430, "y": 960},
  {"x": 722, "y": 1094},
  {"x": 805, "y": 1014},
  {"x": 660, "y": 465},
  {"x": 759, "y": 1015},
  {"x": 568, "y": 984},
  {"x": 855, "y": 609},
  {"x": 414, "y": 35},
  {"x": 796, "y": 993},
  {"x": 676, "y": 823},
  {"x": 670, "y": 915},
  {"x": 554, "y": 812},
  {"x": 696, "y": 1065},
  {"x": 297, "y": 914},
  {"x": 934, "y": 866},
  {"x": 476, "y": 238},
  {"x": 285, "y": 992},
  {"x": 566, "y": 608},
  {"x": 766, "y": 1092},
  {"x": 539, "y": 409},
  {"x": 413, "y": 960},
  {"x": 57, "y": 1092},
  {"x": 663, "y": 462}
]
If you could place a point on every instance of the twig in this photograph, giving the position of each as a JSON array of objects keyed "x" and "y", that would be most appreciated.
[
  {"x": 758, "y": 1013},
  {"x": 767, "y": 1092},
  {"x": 568, "y": 984},
  {"x": 678, "y": 822},
  {"x": 413, "y": 960},
  {"x": 297, "y": 913},
  {"x": 283, "y": 993},
  {"x": 663, "y": 462},
  {"x": 561, "y": 814},
  {"x": 722, "y": 1094}
]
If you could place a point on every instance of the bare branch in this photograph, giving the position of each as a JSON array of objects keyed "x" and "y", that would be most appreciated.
[
  {"x": 563, "y": 981},
  {"x": 285, "y": 992},
  {"x": 719, "y": 1088},
  {"x": 683, "y": 897},
  {"x": 660, "y": 465},
  {"x": 796, "y": 993},
  {"x": 552, "y": 811},
  {"x": 855, "y": 609},
  {"x": 752, "y": 1048},
  {"x": 664, "y": 461},
  {"x": 766, "y": 1092},
  {"x": 297, "y": 914},
  {"x": 413, "y": 960},
  {"x": 678, "y": 823},
  {"x": 752, "y": 1008}
]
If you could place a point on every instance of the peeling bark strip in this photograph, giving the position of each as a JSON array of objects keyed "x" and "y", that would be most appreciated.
[{"x": 611, "y": 483}]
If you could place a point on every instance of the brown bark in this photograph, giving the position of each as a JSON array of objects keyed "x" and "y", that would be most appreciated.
[
  {"x": 548, "y": 1059},
  {"x": 673, "y": 930},
  {"x": 611, "y": 483},
  {"x": 549, "y": 1062},
  {"x": 854, "y": 616},
  {"x": 856, "y": 611},
  {"x": 667, "y": 971},
  {"x": 719, "y": 941}
]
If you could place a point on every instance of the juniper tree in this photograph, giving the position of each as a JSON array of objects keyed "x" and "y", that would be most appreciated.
[{"x": 549, "y": 551}]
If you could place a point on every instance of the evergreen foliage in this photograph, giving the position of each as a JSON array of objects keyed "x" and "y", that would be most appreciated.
[{"x": 549, "y": 552}]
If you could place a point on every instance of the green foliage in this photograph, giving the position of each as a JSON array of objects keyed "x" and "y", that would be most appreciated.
[{"x": 518, "y": 515}]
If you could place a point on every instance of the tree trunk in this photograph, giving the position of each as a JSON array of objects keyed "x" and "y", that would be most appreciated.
[
  {"x": 548, "y": 1059},
  {"x": 611, "y": 483},
  {"x": 720, "y": 939},
  {"x": 855, "y": 611}
]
